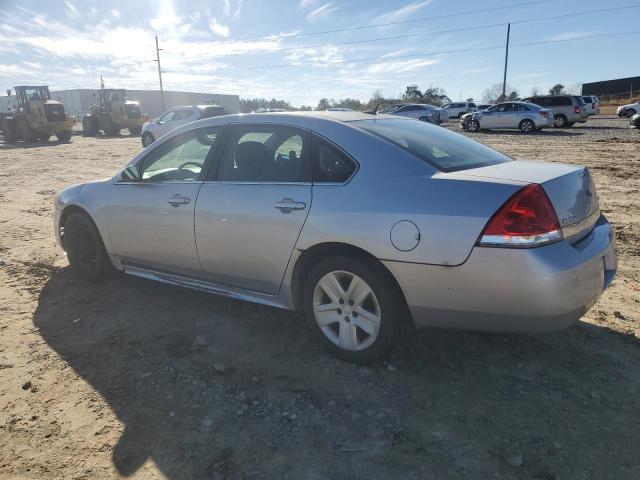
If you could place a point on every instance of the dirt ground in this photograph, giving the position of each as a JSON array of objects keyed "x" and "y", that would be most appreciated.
[{"x": 134, "y": 378}]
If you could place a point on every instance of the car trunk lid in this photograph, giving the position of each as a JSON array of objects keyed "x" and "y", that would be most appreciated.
[{"x": 569, "y": 187}]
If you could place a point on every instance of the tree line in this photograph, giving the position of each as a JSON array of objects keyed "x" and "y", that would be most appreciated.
[{"x": 413, "y": 94}]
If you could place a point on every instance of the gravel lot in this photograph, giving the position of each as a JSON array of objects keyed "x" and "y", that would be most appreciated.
[{"x": 131, "y": 377}]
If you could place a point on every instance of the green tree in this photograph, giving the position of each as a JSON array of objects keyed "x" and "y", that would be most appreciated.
[
  {"x": 412, "y": 94},
  {"x": 323, "y": 104},
  {"x": 557, "y": 89}
]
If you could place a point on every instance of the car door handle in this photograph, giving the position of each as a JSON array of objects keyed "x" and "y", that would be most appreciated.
[
  {"x": 177, "y": 200},
  {"x": 286, "y": 205}
]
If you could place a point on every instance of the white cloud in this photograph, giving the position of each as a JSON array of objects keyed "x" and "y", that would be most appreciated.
[
  {"x": 218, "y": 28},
  {"x": 72, "y": 10},
  {"x": 570, "y": 36},
  {"x": 401, "y": 13},
  {"x": 318, "y": 56},
  {"x": 166, "y": 18},
  {"x": 321, "y": 11},
  {"x": 306, "y": 3},
  {"x": 93, "y": 11},
  {"x": 227, "y": 7},
  {"x": 238, "y": 10},
  {"x": 401, "y": 66},
  {"x": 116, "y": 13}
]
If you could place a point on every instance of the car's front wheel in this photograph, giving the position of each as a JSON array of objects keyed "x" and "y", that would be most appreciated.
[
  {"x": 473, "y": 125},
  {"x": 630, "y": 112},
  {"x": 353, "y": 309},
  {"x": 83, "y": 246},
  {"x": 147, "y": 139}
]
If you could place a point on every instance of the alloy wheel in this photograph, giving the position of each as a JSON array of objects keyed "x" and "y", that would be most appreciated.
[{"x": 347, "y": 310}]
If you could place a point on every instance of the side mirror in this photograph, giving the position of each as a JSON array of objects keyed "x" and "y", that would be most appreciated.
[{"x": 130, "y": 174}]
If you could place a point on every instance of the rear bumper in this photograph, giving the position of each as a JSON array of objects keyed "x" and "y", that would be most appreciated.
[{"x": 512, "y": 290}]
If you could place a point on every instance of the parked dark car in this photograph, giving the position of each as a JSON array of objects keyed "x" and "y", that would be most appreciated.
[{"x": 635, "y": 121}]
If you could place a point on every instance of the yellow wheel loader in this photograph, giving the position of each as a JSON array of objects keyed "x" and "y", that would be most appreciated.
[
  {"x": 35, "y": 117},
  {"x": 112, "y": 113}
]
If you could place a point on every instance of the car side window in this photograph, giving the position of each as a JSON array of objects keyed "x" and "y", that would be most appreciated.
[
  {"x": 167, "y": 117},
  {"x": 330, "y": 165},
  {"x": 181, "y": 115},
  {"x": 180, "y": 158},
  {"x": 265, "y": 153}
]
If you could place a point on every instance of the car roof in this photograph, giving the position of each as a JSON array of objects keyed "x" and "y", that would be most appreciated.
[{"x": 339, "y": 116}]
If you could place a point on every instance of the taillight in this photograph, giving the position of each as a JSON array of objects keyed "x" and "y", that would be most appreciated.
[
  {"x": 544, "y": 114},
  {"x": 576, "y": 109},
  {"x": 527, "y": 219}
]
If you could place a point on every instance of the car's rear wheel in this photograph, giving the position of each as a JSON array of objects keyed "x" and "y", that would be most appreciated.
[
  {"x": 630, "y": 112},
  {"x": 425, "y": 119},
  {"x": 64, "y": 136},
  {"x": 353, "y": 309},
  {"x": 527, "y": 126},
  {"x": 135, "y": 130},
  {"x": 147, "y": 139},
  {"x": 559, "y": 120},
  {"x": 85, "y": 250},
  {"x": 89, "y": 126},
  {"x": 473, "y": 125}
]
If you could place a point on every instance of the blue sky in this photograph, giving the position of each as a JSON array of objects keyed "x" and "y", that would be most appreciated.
[{"x": 215, "y": 46}]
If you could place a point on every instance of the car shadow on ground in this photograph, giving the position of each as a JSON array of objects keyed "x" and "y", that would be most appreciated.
[
  {"x": 538, "y": 133},
  {"x": 25, "y": 145},
  {"x": 209, "y": 387}
]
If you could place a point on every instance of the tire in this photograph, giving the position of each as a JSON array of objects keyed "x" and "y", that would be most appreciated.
[
  {"x": 111, "y": 129},
  {"x": 24, "y": 130},
  {"x": 84, "y": 248},
  {"x": 527, "y": 126},
  {"x": 560, "y": 120},
  {"x": 340, "y": 324},
  {"x": 147, "y": 139},
  {"x": 135, "y": 130},
  {"x": 64, "y": 137},
  {"x": 570, "y": 124},
  {"x": 10, "y": 132},
  {"x": 630, "y": 112},
  {"x": 473, "y": 125},
  {"x": 461, "y": 114},
  {"x": 44, "y": 138},
  {"x": 425, "y": 119},
  {"x": 89, "y": 126}
]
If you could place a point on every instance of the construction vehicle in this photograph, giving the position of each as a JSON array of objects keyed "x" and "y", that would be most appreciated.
[
  {"x": 112, "y": 113},
  {"x": 35, "y": 117}
]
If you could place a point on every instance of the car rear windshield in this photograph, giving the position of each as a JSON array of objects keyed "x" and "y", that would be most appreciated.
[{"x": 445, "y": 150}]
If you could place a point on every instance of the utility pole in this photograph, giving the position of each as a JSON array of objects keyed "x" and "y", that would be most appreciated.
[
  {"x": 506, "y": 60},
  {"x": 159, "y": 74}
]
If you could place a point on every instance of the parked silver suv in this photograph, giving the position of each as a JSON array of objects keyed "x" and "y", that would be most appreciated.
[{"x": 567, "y": 109}]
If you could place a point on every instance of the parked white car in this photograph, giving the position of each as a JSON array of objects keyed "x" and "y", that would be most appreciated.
[
  {"x": 421, "y": 111},
  {"x": 456, "y": 110},
  {"x": 628, "y": 110},
  {"x": 591, "y": 104},
  {"x": 153, "y": 130}
]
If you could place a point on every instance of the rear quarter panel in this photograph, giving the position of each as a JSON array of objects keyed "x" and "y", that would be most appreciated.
[{"x": 392, "y": 185}]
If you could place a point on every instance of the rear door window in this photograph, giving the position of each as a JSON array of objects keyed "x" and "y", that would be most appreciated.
[{"x": 265, "y": 153}]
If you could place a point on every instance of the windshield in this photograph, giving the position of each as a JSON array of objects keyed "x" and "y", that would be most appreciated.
[{"x": 445, "y": 150}]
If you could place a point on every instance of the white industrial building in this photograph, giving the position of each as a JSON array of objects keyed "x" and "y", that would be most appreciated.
[{"x": 76, "y": 102}]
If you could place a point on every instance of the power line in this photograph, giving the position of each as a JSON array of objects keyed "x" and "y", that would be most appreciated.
[
  {"x": 415, "y": 35},
  {"x": 442, "y": 52},
  {"x": 403, "y": 22}
]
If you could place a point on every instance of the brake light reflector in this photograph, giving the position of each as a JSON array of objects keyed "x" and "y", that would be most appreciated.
[
  {"x": 544, "y": 114},
  {"x": 527, "y": 219},
  {"x": 576, "y": 109}
]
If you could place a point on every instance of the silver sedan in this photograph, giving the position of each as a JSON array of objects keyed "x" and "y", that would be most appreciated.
[
  {"x": 368, "y": 224},
  {"x": 527, "y": 117}
]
